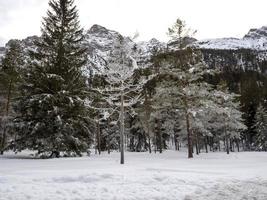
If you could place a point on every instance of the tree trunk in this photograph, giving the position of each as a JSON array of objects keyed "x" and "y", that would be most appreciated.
[
  {"x": 197, "y": 145},
  {"x": 206, "y": 143},
  {"x": 189, "y": 138},
  {"x": 98, "y": 138},
  {"x": 147, "y": 116},
  {"x": 155, "y": 143},
  {"x": 3, "y": 141},
  {"x": 226, "y": 140},
  {"x": 176, "y": 141},
  {"x": 148, "y": 132},
  {"x": 243, "y": 145},
  {"x": 233, "y": 145},
  {"x": 149, "y": 144},
  {"x": 227, "y": 145},
  {"x": 210, "y": 143},
  {"x": 237, "y": 145},
  {"x": 189, "y": 133},
  {"x": 230, "y": 145},
  {"x": 108, "y": 143},
  {"x": 122, "y": 130},
  {"x": 160, "y": 136}
]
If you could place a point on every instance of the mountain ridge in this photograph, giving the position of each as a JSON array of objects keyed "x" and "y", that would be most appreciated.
[{"x": 100, "y": 42}]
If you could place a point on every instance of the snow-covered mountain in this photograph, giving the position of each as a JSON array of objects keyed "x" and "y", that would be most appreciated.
[
  {"x": 255, "y": 39},
  {"x": 230, "y": 52}
]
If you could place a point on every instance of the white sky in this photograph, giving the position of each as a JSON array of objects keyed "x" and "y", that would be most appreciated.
[{"x": 151, "y": 18}]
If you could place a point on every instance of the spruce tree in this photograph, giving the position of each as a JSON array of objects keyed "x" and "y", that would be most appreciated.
[
  {"x": 261, "y": 128},
  {"x": 10, "y": 69},
  {"x": 52, "y": 114}
]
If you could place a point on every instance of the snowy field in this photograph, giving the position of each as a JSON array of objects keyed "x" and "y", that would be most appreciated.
[{"x": 169, "y": 176}]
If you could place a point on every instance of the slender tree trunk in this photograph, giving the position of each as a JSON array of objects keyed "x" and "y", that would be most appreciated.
[
  {"x": 108, "y": 143},
  {"x": 177, "y": 146},
  {"x": 227, "y": 145},
  {"x": 160, "y": 136},
  {"x": 237, "y": 145},
  {"x": 149, "y": 144},
  {"x": 197, "y": 145},
  {"x": 98, "y": 138},
  {"x": 189, "y": 137},
  {"x": 148, "y": 132},
  {"x": 108, "y": 138},
  {"x": 233, "y": 145},
  {"x": 3, "y": 141},
  {"x": 122, "y": 130},
  {"x": 226, "y": 140},
  {"x": 206, "y": 144},
  {"x": 96, "y": 141},
  {"x": 210, "y": 143},
  {"x": 243, "y": 145},
  {"x": 189, "y": 133},
  {"x": 155, "y": 142}
]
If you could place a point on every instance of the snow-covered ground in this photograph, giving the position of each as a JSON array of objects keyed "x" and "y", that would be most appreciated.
[{"x": 167, "y": 176}]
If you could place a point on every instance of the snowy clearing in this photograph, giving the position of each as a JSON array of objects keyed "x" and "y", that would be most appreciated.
[{"x": 167, "y": 176}]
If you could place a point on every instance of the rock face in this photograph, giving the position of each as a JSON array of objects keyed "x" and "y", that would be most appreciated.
[
  {"x": 101, "y": 43},
  {"x": 255, "y": 34},
  {"x": 246, "y": 54}
]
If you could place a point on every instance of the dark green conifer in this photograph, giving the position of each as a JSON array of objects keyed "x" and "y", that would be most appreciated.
[
  {"x": 52, "y": 114},
  {"x": 10, "y": 69}
]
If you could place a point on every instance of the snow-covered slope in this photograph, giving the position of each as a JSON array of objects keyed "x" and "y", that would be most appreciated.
[{"x": 256, "y": 39}]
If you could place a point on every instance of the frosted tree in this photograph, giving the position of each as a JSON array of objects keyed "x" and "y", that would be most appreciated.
[
  {"x": 164, "y": 105},
  {"x": 261, "y": 128},
  {"x": 185, "y": 71},
  {"x": 223, "y": 118},
  {"x": 121, "y": 90}
]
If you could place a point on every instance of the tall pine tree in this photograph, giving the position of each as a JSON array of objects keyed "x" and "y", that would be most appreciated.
[
  {"x": 10, "y": 69},
  {"x": 52, "y": 114}
]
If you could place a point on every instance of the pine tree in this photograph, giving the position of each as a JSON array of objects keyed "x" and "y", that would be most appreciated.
[
  {"x": 11, "y": 66},
  {"x": 261, "y": 128},
  {"x": 179, "y": 32},
  {"x": 52, "y": 114}
]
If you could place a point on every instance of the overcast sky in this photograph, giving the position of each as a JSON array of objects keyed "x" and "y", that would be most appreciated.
[{"x": 151, "y": 18}]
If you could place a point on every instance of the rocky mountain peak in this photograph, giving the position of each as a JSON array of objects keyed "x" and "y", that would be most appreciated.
[{"x": 256, "y": 34}]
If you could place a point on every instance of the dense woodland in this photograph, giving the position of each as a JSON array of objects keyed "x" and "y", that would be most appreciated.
[{"x": 180, "y": 99}]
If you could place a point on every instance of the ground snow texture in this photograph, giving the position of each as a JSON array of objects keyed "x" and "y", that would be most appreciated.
[{"x": 167, "y": 176}]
